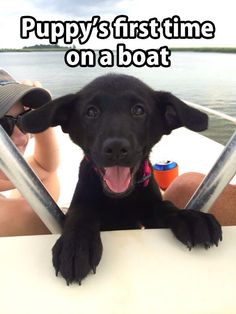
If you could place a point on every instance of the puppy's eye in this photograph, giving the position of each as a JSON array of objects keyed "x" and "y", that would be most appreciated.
[
  {"x": 137, "y": 110},
  {"x": 92, "y": 112}
]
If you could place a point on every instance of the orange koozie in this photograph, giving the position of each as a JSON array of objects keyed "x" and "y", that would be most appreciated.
[{"x": 165, "y": 173}]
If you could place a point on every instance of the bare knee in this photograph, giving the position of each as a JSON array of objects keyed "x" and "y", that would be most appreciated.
[
  {"x": 17, "y": 218},
  {"x": 182, "y": 188}
]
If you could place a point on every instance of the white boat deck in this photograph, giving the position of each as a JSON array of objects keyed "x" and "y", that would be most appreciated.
[{"x": 141, "y": 272}]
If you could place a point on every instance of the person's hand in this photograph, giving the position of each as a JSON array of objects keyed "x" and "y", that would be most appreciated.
[{"x": 33, "y": 84}]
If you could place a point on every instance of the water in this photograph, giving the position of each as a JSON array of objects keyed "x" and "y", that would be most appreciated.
[{"x": 208, "y": 79}]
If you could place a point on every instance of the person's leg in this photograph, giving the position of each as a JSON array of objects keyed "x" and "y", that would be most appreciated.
[
  {"x": 182, "y": 189},
  {"x": 17, "y": 218}
]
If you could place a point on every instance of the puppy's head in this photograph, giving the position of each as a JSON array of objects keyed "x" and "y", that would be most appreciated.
[{"x": 116, "y": 119}]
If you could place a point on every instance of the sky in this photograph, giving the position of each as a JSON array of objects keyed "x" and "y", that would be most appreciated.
[{"x": 221, "y": 13}]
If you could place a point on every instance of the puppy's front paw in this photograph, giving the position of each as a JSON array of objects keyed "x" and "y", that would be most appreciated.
[
  {"x": 75, "y": 255},
  {"x": 195, "y": 228}
]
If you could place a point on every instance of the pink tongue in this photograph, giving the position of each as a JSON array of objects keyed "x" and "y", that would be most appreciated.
[{"x": 117, "y": 178}]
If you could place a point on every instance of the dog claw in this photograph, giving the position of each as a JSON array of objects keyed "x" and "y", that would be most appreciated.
[
  {"x": 207, "y": 245},
  {"x": 68, "y": 282},
  {"x": 189, "y": 245},
  {"x": 94, "y": 270},
  {"x": 216, "y": 243},
  {"x": 80, "y": 283}
]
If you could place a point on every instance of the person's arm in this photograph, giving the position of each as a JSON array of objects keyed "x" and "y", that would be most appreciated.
[
  {"x": 6, "y": 185},
  {"x": 45, "y": 159},
  {"x": 44, "y": 162}
]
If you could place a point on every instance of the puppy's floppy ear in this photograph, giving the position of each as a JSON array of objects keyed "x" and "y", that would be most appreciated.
[
  {"x": 56, "y": 112},
  {"x": 177, "y": 114}
]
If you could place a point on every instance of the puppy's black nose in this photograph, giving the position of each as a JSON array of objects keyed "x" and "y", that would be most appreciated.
[{"x": 116, "y": 149}]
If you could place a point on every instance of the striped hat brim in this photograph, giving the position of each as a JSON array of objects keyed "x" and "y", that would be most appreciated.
[{"x": 32, "y": 97}]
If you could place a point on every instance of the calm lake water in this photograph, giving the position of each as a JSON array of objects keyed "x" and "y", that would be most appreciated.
[{"x": 208, "y": 79}]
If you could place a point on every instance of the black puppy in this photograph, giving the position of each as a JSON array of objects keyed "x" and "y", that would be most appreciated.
[{"x": 116, "y": 120}]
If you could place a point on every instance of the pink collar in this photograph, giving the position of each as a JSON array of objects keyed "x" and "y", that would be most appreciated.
[{"x": 146, "y": 174}]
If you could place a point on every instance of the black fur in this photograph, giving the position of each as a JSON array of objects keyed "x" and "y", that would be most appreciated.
[{"x": 116, "y": 120}]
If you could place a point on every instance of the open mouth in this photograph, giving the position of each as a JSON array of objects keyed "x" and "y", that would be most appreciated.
[{"x": 118, "y": 180}]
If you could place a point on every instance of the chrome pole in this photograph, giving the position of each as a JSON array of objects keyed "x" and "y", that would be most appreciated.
[
  {"x": 216, "y": 180},
  {"x": 13, "y": 164}
]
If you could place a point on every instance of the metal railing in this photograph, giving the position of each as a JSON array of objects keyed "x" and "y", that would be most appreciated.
[
  {"x": 219, "y": 176},
  {"x": 13, "y": 164},
  {"x": 211, "y": 111}
]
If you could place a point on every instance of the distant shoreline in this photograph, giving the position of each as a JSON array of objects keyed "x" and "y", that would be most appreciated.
[
  {"x": 33, "y": 50},
  {"x": 174, "y": 49}
]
